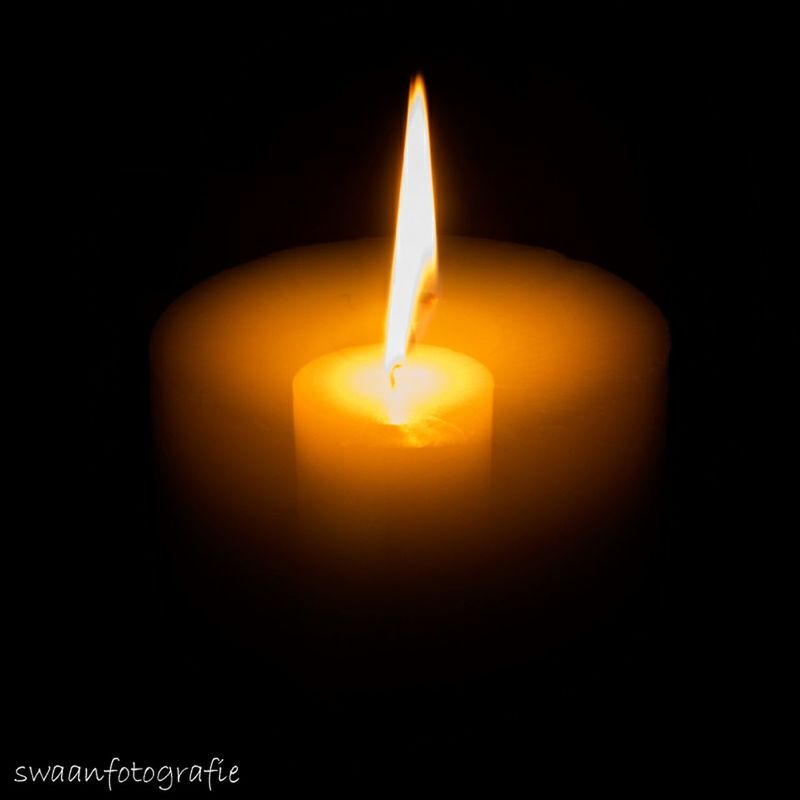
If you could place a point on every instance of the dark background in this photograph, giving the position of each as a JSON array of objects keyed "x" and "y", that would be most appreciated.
[{"x": 164, "y": 150}]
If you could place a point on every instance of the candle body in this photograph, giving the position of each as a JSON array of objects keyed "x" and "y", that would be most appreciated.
[
  {"x": 380, "y": 466},
  {"x": 579, "y": 361},
  {"x": 578, "y": 357}
]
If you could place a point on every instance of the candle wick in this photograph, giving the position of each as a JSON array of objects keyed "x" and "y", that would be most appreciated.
[
  {"x": 392, "y": 378},
  {"x": 428, "y": 299}
]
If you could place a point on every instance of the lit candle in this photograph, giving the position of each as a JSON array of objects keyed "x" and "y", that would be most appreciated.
[
  {"x": 390, "y": 442},
  {"x": 375, "y": 460},
  {"x": 540, "y": 391},
  {"x": 578, "y": 357}
]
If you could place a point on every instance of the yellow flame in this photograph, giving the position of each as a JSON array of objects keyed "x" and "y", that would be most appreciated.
[{"x": 413, "y": 285}]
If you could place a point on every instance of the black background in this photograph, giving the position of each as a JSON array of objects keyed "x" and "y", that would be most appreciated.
[{"x": 163, "y": 150}]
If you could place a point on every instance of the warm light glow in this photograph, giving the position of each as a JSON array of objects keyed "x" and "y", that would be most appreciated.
[
  {"x": 413, "y": 284},
  {"x": 437, "y": 387}
]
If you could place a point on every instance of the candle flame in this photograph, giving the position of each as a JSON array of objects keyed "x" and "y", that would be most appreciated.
[{"x": 413, "y": 286}]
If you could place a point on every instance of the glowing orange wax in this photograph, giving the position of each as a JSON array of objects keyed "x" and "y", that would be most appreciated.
[
  {"x": 489, "y": 466},
  {"x": 376, "y": 460},
  {"x": 392, "y": 443},
  {"x": 578, "y": 357},
  {"x": 579, "y": 362}
]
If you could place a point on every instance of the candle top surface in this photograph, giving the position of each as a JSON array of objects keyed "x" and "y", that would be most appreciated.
[{"x": 429, "y": 389}]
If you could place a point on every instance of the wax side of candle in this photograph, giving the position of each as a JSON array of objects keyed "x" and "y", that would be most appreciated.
[{"x": 578, "y": 357}]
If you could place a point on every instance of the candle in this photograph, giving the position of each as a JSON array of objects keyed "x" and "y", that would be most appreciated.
[
  {"x": 511, "y": 450},
  {"x": 579, "y": 364},
  {"x": 388, "y": 442},
  {"x": 375, "y": 460}
]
